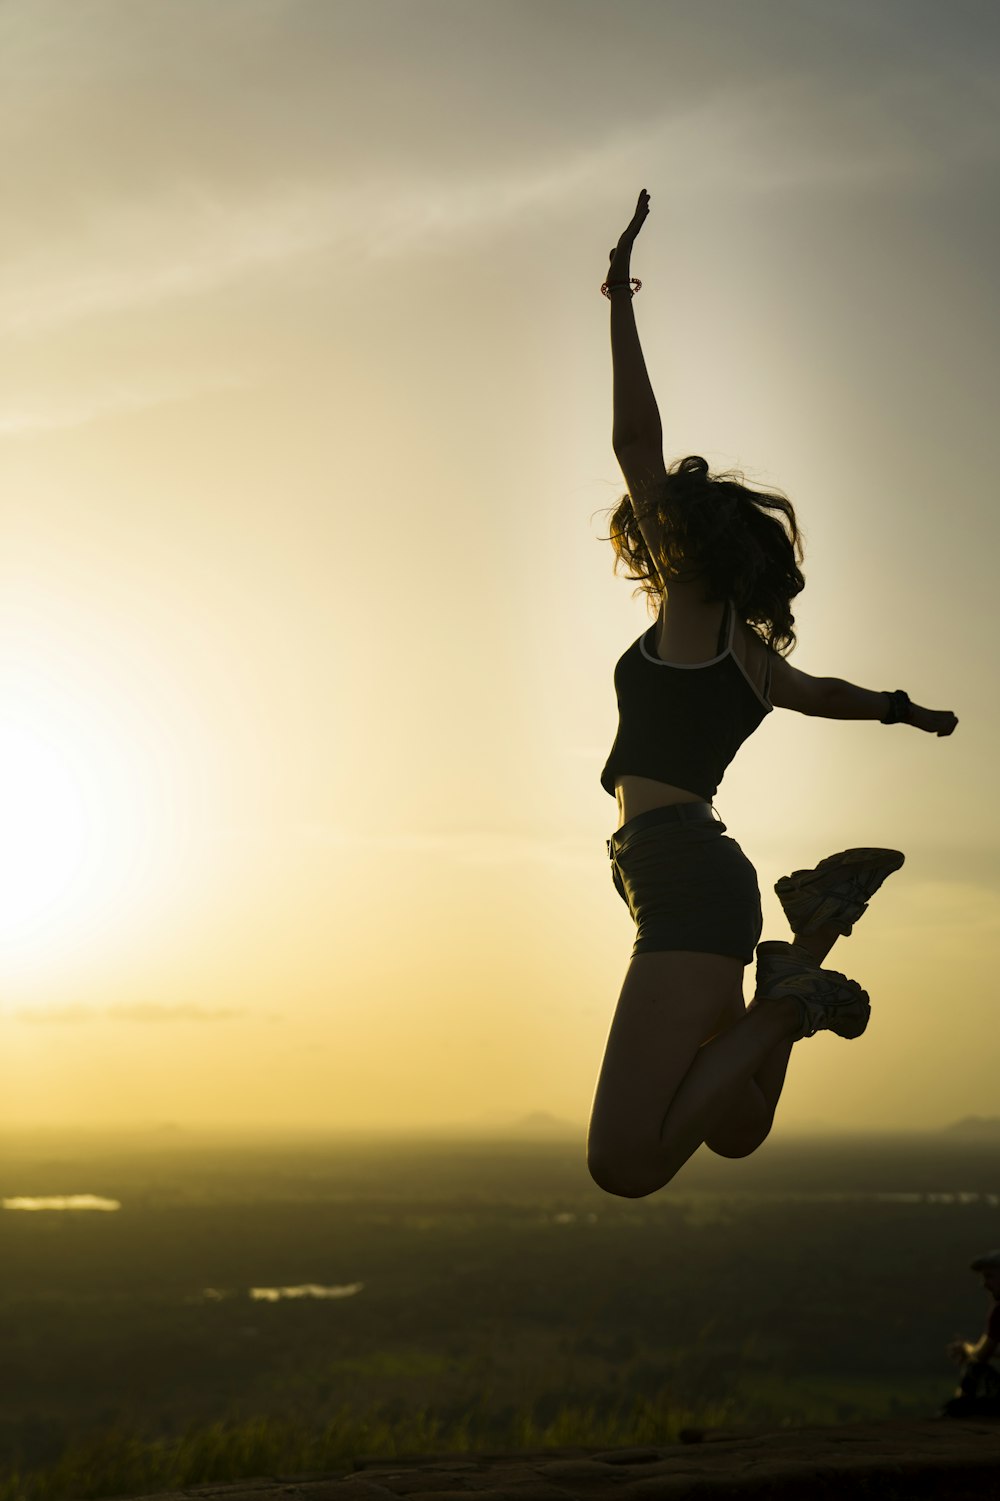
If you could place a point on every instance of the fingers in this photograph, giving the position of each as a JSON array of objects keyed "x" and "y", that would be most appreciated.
[{"x": 637, "y": 220}]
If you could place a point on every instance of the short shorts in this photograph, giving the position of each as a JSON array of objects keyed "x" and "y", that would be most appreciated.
[{"x": 686, "y": 884}]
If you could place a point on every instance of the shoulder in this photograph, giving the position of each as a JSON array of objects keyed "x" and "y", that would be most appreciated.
[
  {"x": 785, "y": 686},
  {"x": 754, "y": 657}
]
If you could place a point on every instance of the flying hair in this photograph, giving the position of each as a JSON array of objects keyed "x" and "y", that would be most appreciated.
[{"x": 745, "y": 544}]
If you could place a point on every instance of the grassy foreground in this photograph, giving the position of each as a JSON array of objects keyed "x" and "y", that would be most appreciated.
[
  {"x": 123, "y": 1463},
  {"x": 118, "y": 1463}
]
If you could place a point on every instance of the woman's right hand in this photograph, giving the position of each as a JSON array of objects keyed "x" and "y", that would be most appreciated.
[
  {"x": 620, "y": 257},
  {"x": 933, "y": 721}
]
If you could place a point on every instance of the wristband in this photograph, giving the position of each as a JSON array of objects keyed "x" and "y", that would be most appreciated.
[
  {"x": 633, "y": 284},
  {"x": 899, "y": 708}
]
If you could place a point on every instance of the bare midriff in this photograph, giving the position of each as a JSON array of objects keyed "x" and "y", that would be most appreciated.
[{"x": 637, "y": 795}]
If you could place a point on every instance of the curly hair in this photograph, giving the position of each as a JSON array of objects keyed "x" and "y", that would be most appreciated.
[{"x": 745, "y": 543}]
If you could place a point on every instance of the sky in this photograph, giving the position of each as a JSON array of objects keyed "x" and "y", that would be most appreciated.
[{"x": 307, "y": 623}]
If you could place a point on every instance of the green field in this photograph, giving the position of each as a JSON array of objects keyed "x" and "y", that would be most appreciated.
[{"x": 504, "y": 1301}]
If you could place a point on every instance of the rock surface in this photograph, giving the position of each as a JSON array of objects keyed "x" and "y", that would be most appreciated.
[{"x": 948, "y": 1460}]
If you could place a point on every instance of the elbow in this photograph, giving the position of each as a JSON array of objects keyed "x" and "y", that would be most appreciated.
[
  {"x": 823, "y": 698},
  {"x": 632, "y": 441}
]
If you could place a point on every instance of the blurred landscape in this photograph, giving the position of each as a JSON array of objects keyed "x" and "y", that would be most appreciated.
[{"x": 178, "y": 1307}]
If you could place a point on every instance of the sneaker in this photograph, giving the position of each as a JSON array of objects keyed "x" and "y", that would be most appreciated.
[
  {"x": 838, "y": 891},
  {"x": 830, "y": 1002}
]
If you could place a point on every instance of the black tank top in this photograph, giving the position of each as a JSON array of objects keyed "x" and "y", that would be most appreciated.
[{"x": 680, "y": 723}]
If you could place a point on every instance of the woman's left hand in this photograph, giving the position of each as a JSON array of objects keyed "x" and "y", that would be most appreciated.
[
  {"x": 621, "y": 255},
  {"x": 932, "y": 721}
]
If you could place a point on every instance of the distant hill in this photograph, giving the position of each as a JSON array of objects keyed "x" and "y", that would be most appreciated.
[
  {"x": 976, "y": 1125},
  {"x": 543, "y": 1122},
  {"x": 540, "y": 1123}
]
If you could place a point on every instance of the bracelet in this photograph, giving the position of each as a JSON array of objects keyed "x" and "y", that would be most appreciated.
[
  {"x": 633, "y": 284},
  {"x": 899, "y": 707}
]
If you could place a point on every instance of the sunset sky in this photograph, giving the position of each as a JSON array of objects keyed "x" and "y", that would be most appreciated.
[{"x": 307, "y": 628}]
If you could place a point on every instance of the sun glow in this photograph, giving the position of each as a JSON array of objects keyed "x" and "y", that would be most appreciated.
[
  {"x": 48, "y": 828},
  {"x": 70, "y": 815}
]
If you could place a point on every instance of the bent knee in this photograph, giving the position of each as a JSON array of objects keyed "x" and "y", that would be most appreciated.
[
  {"x": 736, "y": 1145},
  {"x": 624, "y": 1176}
]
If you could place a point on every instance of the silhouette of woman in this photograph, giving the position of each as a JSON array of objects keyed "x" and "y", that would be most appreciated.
[{"x": 687, "y": 1062}]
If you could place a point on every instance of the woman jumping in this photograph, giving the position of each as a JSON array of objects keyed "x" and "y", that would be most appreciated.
[{"x": 686, "y": 1061}]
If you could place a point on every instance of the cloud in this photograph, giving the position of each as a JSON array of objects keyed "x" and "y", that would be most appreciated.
[
  {"x": 136, "y": 1012},
  {"x": 28, "y": 421},
  {"x": 802, "y": 133},
  {"x": 186, "y": 242},
  {"x": 463, "y": 847},
  {"x": 59, "y": 1015},
  {"x": 962, "y": 908},
  {"x": 189, "y": 238},
  {"x": 151, "y": 1012}
]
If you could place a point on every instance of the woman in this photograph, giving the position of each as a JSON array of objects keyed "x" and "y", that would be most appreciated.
[{"x": 686, "y": 1061}]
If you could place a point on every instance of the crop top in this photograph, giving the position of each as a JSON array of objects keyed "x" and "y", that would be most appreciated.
[{"x": 683, "y": 723}]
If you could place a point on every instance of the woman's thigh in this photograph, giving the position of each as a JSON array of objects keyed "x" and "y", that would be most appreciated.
[{"x": 670, "y": 1004}]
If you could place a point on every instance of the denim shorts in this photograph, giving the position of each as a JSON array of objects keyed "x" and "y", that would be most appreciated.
[{"x": 686, "y": 884}]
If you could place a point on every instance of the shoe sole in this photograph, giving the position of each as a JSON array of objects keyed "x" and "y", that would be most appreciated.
[{"x": 810, "y": 883}]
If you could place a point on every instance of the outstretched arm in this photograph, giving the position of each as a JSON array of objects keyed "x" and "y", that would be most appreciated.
[{"x": 833, "y": 698}]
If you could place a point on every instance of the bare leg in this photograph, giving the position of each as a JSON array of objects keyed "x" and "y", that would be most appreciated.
[
  {"x": 817, "y": 944},
  {"x": 750, "y": 1117},
  {"x": 766, "y": 1034},
  {"x": 748, "y": 1121},
  {"x": 663, "y": 1088}
]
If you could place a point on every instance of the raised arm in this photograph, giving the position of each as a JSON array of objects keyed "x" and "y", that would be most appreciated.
[
  {"x": 637, "y": 433},
  {"x": 833, "y": 698}
]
